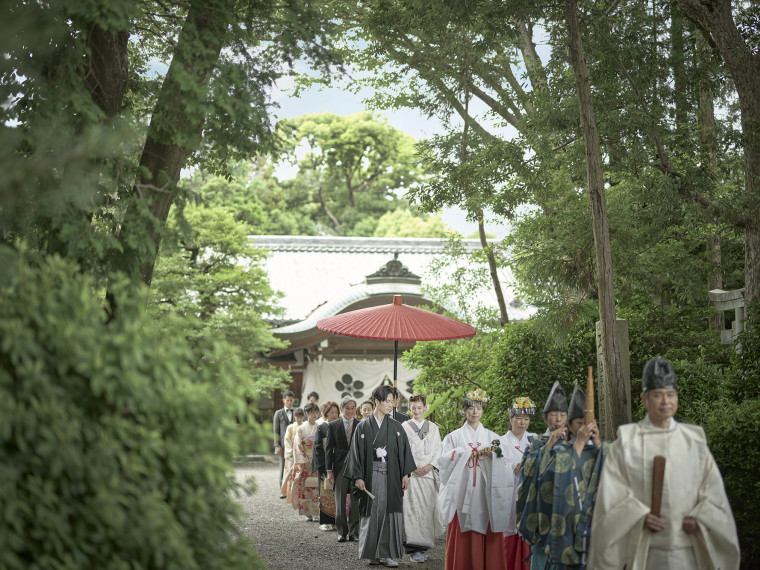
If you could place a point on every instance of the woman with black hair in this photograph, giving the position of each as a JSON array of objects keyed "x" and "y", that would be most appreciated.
[
  {"x": 477, "y": 489},
  {"x": 305, "y": 494}
]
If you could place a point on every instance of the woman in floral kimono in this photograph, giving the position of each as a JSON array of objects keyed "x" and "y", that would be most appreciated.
[
  {"x": 305, "y": 493},
  {"x": 289, "y": 453}
]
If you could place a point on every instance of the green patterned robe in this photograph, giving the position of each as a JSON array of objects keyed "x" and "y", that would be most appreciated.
[{"x": 555, "y": 499}]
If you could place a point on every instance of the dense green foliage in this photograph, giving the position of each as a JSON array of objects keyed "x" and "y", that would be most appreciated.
[
  {"x": 729, "y": 428},
  {"x": 331, "y": 175},
  {"x": 210, "y": 277},
  {"x": 349, "y": 169},
  {"x": 104, "y": 104},
  {"x": 527, "y": 362},
  {"x": 746, "y": 364},
  {"x": 118, "y": 428},
  {"x": 116, "y": 437},
  {"x": 518, "y": 360}
]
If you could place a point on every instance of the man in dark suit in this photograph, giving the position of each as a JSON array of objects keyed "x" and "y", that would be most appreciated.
[
  {"x": 282, "y": 419},
  {"x": 396, "y": 414},
  {"x": 339, "y": 437}
]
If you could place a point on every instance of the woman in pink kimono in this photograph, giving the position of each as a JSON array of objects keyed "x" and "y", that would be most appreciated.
[{"x": 305, "y": 493}]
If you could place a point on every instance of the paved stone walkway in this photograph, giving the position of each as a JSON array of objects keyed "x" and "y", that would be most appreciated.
[{"x": 286, "y": 542}]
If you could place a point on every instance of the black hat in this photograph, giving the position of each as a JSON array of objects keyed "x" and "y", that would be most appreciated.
[
  {"x": 658, "y": 373},
  {"x": 577, "y": 405},
  {"x": 557, "y": 401}
]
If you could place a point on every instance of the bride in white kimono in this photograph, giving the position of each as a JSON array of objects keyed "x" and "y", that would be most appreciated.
[
  {"x": 477, "y": 492},
  {"x": 422, "y": 518}
]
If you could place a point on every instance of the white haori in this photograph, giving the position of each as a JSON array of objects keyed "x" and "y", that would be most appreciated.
[
  {"x": 422, "y": 517},
  {"x": 476, "y": 491}
]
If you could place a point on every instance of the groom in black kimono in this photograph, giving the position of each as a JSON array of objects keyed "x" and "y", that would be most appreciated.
[{"x": 380, "y": 462}]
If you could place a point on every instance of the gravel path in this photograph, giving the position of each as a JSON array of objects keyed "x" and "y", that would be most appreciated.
[{"x": 285, "y": 541}]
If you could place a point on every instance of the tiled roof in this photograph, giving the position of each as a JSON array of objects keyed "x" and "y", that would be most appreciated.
[{"x": 320, "y": 276}]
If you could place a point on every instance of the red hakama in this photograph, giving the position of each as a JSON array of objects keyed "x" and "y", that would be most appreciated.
[
  {"x": 472, "y": 550},
  {"x": 517, "y": 551}
]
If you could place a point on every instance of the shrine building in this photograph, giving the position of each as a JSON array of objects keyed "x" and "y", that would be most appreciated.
[{"x": 326, "y": 275}]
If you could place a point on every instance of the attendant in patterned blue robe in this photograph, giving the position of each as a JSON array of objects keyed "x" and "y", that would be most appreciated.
[{"x": 560, "y": 495}]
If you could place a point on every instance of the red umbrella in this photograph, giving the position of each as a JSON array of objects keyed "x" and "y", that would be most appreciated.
[{"x": 395, "y": 322}]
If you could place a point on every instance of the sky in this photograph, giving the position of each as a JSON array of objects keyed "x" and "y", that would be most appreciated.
[{"x": 341, "y": 101}]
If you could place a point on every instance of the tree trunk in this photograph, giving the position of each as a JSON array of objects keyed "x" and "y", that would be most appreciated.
[
  {"x": 679, "y": 69},
  {"x": 709, "y": 160},
  {"x": 503, "y": 315},
  {"x": 594, "y": 169},
  {"x": 107, "y": 68},
  {"x": 105, "y": 78},
  {"x": 328, "y": 213},
  {"x": 715, "y": 19},
  {"x": 174, "y": 133}
]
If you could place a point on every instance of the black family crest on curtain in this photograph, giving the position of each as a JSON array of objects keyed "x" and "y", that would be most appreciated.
[{"x": 347, "y": 386}]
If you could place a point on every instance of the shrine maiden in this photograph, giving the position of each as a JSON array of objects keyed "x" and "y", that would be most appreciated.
[{"x": 477, "y": 492}]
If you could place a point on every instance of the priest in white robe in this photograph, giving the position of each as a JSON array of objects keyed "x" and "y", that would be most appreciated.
[
  {"x": 477, "y": 492},
  {"x": 695, "y": 528},
  {"x": 422, "y": 517}
]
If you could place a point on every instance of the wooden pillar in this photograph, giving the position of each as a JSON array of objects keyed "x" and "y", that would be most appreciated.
[{"x": 606, "y": 424}]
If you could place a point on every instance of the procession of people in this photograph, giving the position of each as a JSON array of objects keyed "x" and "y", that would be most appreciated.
[{"x": 563, "y": 499}]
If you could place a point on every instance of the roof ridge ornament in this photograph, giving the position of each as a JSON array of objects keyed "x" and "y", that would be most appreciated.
[{"x": 393, "y": 272}]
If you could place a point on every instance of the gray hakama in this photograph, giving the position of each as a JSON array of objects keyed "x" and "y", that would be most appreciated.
[{"x": 381, "y": 534}]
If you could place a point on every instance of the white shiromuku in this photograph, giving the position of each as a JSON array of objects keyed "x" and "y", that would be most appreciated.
[
  {"x": 422, "y": 517},
  {"x": 477, "y": 491}
]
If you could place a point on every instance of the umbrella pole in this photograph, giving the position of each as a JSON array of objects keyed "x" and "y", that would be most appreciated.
[{"x": 395, "y": 369}]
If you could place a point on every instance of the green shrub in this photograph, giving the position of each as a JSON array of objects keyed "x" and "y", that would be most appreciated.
[
  {"x": 746, "y": 364},
  {"x": 730, "y": 428},
  {"x": 448, "y": 370},
  {"x": 526, "y": 362},
  {"x": 116, "y": 443},
  {"x": 674, "y": 332},
  {"x": 701, "y": 386}
]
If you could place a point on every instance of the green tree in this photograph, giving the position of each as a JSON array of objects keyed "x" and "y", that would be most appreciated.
[
  {"x": 732, "y": 32},
  {"x": 252, "y": 193},
  {"x": 351, "y": 167},
  {"x": 120, "y": 433},
  {"x": 88, "y": 75},
  {"x": 211, "y": 277},
  {"x": 403, "y": 223}
]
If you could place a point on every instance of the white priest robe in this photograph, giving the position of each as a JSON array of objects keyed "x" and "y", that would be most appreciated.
[
  {"x": 479, "y": 491},
  {"x": 692, "y": 487},
  {"x": 422, "y": 517}
]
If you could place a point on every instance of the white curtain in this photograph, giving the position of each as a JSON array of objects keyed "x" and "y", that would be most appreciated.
[{"x": 334, "y": 379}]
